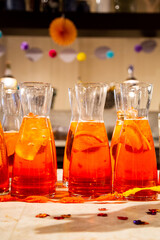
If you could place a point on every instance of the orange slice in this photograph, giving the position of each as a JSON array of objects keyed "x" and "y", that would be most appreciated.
[
  {"x": 84, "y": 141},
  {"x": 27, "y": 150},
  {"x": 133, "y": 138}
]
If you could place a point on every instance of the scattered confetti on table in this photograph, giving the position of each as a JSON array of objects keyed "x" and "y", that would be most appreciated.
[
  {"x": 102, "y": 214},
  {"x": 42, "y": 215},
  {"x": 139, "y": 222},
  {"x": 122, "y": 218}
]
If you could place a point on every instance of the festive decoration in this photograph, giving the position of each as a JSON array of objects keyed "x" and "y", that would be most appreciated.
[
  {"x": 42, "y": 215},
  {"x": 2, "y": 50},
  {"x": 110, "y": 54},
  {"x": 63, "y": 31},
  {"x": 102, "y": 214},
  {"x": 148, "y": 45},
  {"x": 138, "y": 48},
  {"x": 1, "y": 34},
  {"x": 59, "y": 218},
  {"x": 102, "y": 209},
  {"x": 81, "y": 56},
  {"x": 24, "y": 46},
  {"x": 68, "y": 55},
  {"x": 34, "y": 54},
  {"x": 122, "y": 218},
  {"x": 139, "y": 222},
  {"x": 52, "y": 53},
  {"x": 100, "y": 52}
]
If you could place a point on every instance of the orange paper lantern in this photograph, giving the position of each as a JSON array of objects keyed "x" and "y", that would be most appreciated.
[{"x": 62, "y": 31}]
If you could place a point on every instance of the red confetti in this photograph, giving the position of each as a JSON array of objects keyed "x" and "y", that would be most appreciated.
[
  {"x": 42, "y": 215},
  {"x": 102, "y": 214},
  {"x": 122, "y": 218},
  {"x": 66, "y": 215},
  {"x": 59, "y": 217},
  {"x": 153, "y": 210},
  {"x": 102, "y": 209}
]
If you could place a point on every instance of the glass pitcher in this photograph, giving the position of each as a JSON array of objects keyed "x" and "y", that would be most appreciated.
[
  {"x": 34, "y": 167},
  {"x": 70, "y": 135},
  {"x": 136, "y": 165},
  {"x": 11, "y": 122},
  {"x": 90, "y": 165},
  {"x": 4, "y": 174}
]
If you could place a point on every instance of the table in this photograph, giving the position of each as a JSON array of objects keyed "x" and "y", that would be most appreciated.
[{"x": 18, "y": 221}]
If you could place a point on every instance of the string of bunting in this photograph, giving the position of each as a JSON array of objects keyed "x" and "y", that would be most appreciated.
[{"x": 64, "y": 32}]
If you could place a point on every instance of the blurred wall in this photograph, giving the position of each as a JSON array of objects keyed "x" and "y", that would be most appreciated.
[{"x": 63, "y": 75}]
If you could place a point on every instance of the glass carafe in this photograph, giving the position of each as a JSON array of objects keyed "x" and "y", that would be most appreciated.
[
  {"x": 34, "y": 167},
  {"x": 70, "y": 135},
  {"x": 12, "y": 119},
  {"x": 4, "y": 174},
  {"x": 136, "y": 165},
  {"x": 90, "y": 165}
]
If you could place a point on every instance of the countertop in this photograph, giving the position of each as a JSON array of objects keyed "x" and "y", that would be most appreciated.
[{"x": 18, "y": 220}]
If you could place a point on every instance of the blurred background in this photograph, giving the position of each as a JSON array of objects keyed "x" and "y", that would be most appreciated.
[{"x": 112, "y": 35}]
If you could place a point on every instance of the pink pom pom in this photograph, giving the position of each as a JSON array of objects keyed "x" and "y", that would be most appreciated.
[{"x": 52, "y": 53}]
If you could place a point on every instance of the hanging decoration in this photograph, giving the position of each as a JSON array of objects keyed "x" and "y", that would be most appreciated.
[
  {"x": 68, "y": 55},
  {"x": 34, "y": 54},
  {"x": 2, "y": 50},
  {"x": 146, "y": 46},
  {"x": 63, "y": 31},
  {"x": 138, "y": 48},
  {"x": 100, "y": 52},
  {"x": 110, "y": 54},
  {"x": 1, "y": 34},
  {"x": 24, "y": 46},
  {"x": 52, "y": 53},
  {"x": 81, "y": 56}
]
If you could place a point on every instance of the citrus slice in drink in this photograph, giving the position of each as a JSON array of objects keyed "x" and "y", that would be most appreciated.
[
  {"x": 85, "y": 141},
  {"x": 133, "y": 138},
  {"x": 32, "y": 141}
]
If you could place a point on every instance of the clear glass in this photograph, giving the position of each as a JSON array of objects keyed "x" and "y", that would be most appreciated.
[
  {"x": 11, "y": 122},
  {"x": 70, "y": 135},
  {"x": 4, "y": 174},
  {"x": 35, "y": 164},
  {"x": 90, "y": 172},
  {"x": 136, "y": 165}
]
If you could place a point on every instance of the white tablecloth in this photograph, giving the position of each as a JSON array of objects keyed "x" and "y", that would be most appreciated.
[{"x": 18, "y": 221}]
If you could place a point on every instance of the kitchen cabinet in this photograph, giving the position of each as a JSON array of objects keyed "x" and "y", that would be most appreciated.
[{"x": 88, "y": 24}]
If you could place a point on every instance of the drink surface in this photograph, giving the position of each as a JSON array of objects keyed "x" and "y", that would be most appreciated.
[
  {"x": 4, "y": 177},
  {"x": 10, "y": 140},
  {"x": 136, "y": 160},
  {"x": 67, "y": 151},
  {"x": 34, "y": 170},
  {"x": 90, "y": 165}
]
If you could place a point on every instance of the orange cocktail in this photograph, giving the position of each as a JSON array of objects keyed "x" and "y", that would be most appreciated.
[
  {"x": 34, "y": 170},
  {"x": 4, "y": 174},
  {"x": 115, "y": 140},
  {"x": 10, "y": 139},
  {"x": 90, "y": 166},
  {"x": 67, "y": 151},
  {"x": 136, "y": 165}
]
